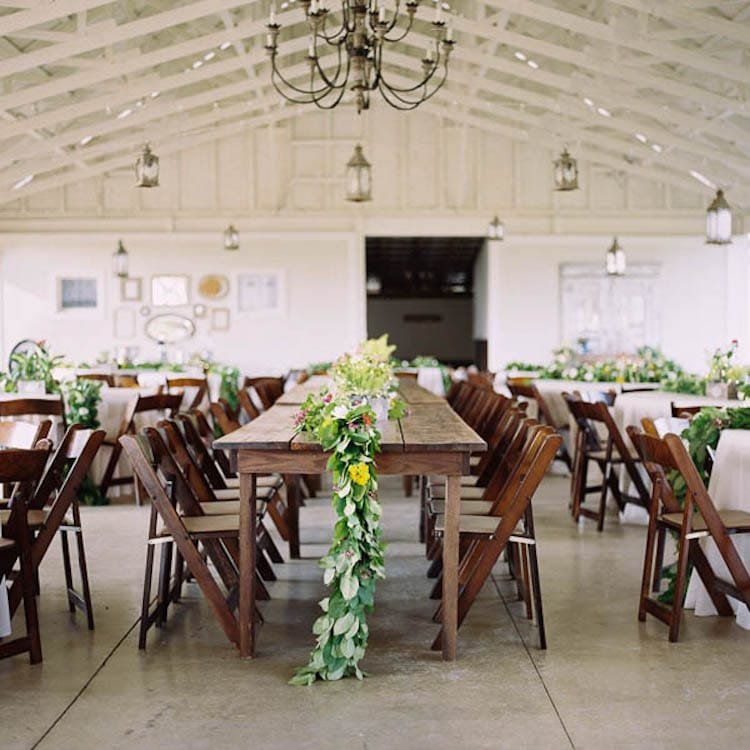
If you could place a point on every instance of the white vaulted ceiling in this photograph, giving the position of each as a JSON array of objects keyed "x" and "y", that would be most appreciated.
[{"x": 658, "y": 89}]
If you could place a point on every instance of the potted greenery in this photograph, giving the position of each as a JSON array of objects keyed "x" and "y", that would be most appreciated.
[
  {"x": 33, "y": 371},
  {"x": 723, "y": 375}
]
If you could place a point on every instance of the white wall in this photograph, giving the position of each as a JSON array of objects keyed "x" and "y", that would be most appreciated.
[
  {"x": 698, "y": 293},
  {"x": 324, "y": 280}
]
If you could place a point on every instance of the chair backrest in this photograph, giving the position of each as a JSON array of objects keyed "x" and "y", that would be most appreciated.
[
  {"x": 200, "y": 385},
  {"x": 247, "y": 406},
  {"x": 125, "y": 381},
  {"x": 200, "y": 451},
  {"x": 19, "y": 434},
  {"x": 161, "y": 402},
  {"x": 98, "y": 376},
  {"x": 33, "y": 407},
  {"x": 269, "y": 389},
  {"x": 226, "y": 422}
]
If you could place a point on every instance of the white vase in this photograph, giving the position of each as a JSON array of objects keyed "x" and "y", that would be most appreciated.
[
  {"x": 30, "y": 386},
  {"x": 380, "y": 405}
]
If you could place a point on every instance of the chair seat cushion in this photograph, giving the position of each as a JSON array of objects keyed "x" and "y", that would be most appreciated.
[
  {"x": 438, "y": 480},
  {"x": 220, "y": 524},
  {"x": 468, "y": 493},
  {"x": 478, "y": 525},
  {"x": 6, "y": 544},
  {"x": 264, "y": 493},
  {"x": 468, "y": 507},
  {"x": 34, "y": 518},
  {"x": 732, "y": 519}
]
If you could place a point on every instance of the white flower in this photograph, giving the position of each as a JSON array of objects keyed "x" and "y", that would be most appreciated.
[
  {"x": 588, "y": 376},
  {"x": 340, "y": 412},
  {"x": 83, "y": 411}
]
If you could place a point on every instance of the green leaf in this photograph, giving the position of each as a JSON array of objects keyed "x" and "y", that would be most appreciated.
[
  {"x": 349, "y": 586},
  {"x": 344, "y": 623}
]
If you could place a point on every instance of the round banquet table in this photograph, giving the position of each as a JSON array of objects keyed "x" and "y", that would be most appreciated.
[
  {"x": 729, "y": 489},
  {"x": 630, "y": 408}
]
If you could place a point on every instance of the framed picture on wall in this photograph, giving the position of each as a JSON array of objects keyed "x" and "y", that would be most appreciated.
[
  {"x": 170, "y": 291},
  {"x": 124, "y": 323},
  {"x": 260, "y": 293},
  {"x": 78, "y": 295},
  {"x": 220, "y": 319},
  {"x": 131, "y": 289}
]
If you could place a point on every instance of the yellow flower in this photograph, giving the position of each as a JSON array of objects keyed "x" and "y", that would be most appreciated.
[{"x": 359, "y": 473}]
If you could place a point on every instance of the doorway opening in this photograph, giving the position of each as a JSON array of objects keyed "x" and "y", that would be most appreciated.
[{"x": 422, "y": 292}]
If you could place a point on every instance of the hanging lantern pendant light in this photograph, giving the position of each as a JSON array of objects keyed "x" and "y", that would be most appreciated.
[
  {"x": 358, "y": 177},
  {"x": 496, "y": 230},
  {"x": 615, "y": 259},
  {"x": 719, "y": 221},
  {"x": 565, "y": 172},
  {"x": 231, "y": 238},
  {"x": 147, "y": 169},
  {"x": 120, "y": 261}
]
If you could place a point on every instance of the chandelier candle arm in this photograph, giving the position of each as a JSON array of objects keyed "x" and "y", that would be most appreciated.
[{"x": 366, "y": 28}]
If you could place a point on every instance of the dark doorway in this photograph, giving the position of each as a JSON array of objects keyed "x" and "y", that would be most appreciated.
[{"x": 420, "y": 290}]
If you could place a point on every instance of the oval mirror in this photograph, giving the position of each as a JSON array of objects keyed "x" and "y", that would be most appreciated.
[{"x": 169, "y": 328}]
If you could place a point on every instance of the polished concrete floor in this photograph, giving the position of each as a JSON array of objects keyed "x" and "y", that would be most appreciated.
[{"x": 606, "y": 681}]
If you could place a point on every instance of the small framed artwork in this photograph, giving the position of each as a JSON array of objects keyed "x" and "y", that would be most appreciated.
[
  {"x": 220, "y": 319},
  {"x": 260, "y": 293},
  {"x": 170, "y": 291},
  {"x": 131, "y": 289},
  {"x": 124, "y": 320},
  {"x": 79, "y": 296}
]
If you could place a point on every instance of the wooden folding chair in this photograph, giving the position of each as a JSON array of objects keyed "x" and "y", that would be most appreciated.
[
  {"x": 225, "y": 418},
  {"x": 125, "y": 381},
  {"x": 176, "y": 520},
  {"x": 697, "y": 518},
  {"x": 509, "y": 521},
  {"x": 25, "y": 467},
  {"x": 34, "y": 407},
  {"x": 19, "y": 434},
  {"x": 199, "y": 384},
  {"x": 247, "y": 406},
  {"x": 269, "y": 389},
  {"x": 54, "y": 498},
  {"x": 99, "y": 377},
  {"x": 160, "y": 405},
  {"x": 608, "y": 458},
  {"x": 525, "y": 388}
]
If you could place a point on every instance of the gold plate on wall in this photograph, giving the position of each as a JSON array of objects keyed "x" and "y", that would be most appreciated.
[{"x": 213, "y": 286}]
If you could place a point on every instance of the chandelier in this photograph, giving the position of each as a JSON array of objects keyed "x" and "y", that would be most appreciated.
[
  {"x": 496, "y": 229},
  {"x": 147, "y": 168},
  {"x": 357, "y": 42},
  {"x": 231, "y": 238}
]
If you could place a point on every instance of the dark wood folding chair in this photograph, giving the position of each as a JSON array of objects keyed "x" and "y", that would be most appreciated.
[
  {"x": 159, "y": 406},
  {"x": 180, "y": 384},
  {"x": 608, "y": 458},
  {"x": 269, "y": 389},
  {"x": 525, "y": 388},
  {"x": 23, "y": 468},
  {"x": 177, "y": 520},
  {"x": 697, "y": 518},
  {"x": 19, "y": 434},
  {"x": 246, "y": 405},
  {"x": 99, "y": 377},
  {"x": 508, "y": 521},
  {"x": 34, "y": 407},
  {"x": 125, "y": 381},
  {"x": 55, "y": 507}
]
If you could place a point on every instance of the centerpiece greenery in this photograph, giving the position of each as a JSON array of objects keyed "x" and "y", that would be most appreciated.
[
  {"x": 37, "y": 364},
  {"x": 343, "y": 421}
]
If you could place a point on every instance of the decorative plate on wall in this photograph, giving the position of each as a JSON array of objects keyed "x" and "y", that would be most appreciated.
[{"x": 213, "y": 286}]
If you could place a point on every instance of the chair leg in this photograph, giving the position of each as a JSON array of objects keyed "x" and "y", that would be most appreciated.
[
  {"x": 83, "y": 568},
  {"x": 165, "y": 571},
  {"x": 537, "y": 593},
  {"x": 679, "y": 589},
  {"x": 109, "y": 471},
  {"x": 30, "y": 612},
  {"x": 606, "y": 475},
  {"x": 146, "y": 599},
  {"x": 659, "y": 562},
  {"x": 67, "y": 568}
]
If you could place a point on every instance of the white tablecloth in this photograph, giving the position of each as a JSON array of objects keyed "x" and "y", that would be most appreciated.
[
  {"x": 730, "y": 490},
  {"x": 4, "y": 610},
  {"x": 630, "y": 408}
]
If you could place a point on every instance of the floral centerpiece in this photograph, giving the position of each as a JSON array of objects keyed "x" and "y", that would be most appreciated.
[
  {"x": 343, "y": 420},
  {"x": 724, "y": 375}
]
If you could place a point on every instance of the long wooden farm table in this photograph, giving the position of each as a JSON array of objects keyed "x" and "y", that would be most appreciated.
[{"x": 433, "y": 439}]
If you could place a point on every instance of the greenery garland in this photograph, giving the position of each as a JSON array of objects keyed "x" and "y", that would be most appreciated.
[{"x": 344, "y": 423}]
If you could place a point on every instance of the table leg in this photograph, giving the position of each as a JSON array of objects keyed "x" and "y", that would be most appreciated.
[
  {"x": 248, "y": 502},
  {"x": 450, "y": 567},
  {"x": 292, "y": 505}
]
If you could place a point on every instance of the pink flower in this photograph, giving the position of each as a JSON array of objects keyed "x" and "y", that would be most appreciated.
[
  {"x": 735, "y": 342},
  {"x": 328, "y": 398}
]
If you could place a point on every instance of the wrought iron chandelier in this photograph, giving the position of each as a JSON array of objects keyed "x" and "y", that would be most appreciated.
[{"x": 358, "y": 41}]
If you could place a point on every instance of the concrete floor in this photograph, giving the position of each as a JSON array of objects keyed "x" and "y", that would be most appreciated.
[{"x": 606, "y": 680}]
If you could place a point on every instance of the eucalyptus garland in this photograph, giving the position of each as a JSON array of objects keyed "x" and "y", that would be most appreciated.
[{"x": 355, "y": 559}]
